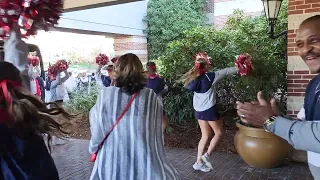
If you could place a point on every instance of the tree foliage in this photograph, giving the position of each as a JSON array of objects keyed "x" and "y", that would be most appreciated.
[
  {"x": 241, "y": 35},
  {"x": 167, "y": 19}
]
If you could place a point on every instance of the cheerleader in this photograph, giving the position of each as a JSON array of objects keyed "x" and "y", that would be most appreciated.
[
  {"x": 23, "y": 118},
  {"x": 202, "y": 83},
  {"x": 56, "y": 87},
  {"x": 57, "y": 93},
  {"x": 34, "y": 73},
  {"x": 157, "y": 84},
  {"x": 106, "y": 79}
]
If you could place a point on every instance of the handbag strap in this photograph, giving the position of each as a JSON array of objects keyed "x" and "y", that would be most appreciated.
[{"x": 117, "y": 121}]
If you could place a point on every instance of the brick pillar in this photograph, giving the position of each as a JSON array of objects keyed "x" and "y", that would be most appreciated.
[
  {"x": 131, "y": 44},
  {"x": 209, "y": 9},
  {"x": 298, "y": 72}
]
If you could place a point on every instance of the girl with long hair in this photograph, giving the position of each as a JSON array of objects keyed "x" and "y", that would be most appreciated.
[
  {"x": 126, "y": 141},
  {"x": 23, "y": 120},
  {"x": 202, "y": 83}
]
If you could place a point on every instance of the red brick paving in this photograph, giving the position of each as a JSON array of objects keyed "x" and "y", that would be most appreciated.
[{"x": 72, "y": 161}]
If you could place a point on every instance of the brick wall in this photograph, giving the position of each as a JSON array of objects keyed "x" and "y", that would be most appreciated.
[
  {"x": 209, "y": 8},
  {"x": 298, "y": 72},
  {"x": 303, "y": 6},
  {"x": 131, "y": 44}
]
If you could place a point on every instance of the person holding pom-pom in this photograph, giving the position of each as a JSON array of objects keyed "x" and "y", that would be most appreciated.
[
  {"x": 202, "y": 83},
  {"x": 103, "y": 61},
  {"x": 34, "y": 73},
  {"x": 55, "y": 83},
  {"x": 24, "y": 118}
]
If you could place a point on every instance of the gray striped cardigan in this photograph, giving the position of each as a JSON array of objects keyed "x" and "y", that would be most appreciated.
[{"x": 134, "y": 150}]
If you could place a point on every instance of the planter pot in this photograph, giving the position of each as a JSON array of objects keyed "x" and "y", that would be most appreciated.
[{"x": 260, "y": 149}]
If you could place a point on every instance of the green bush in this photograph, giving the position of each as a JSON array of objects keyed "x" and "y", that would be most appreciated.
[
  {"x": 241, "y": 35},
  {"x": 81, "y": 101},
  {"x": 166, "y": 20},
  {"x": 180, "y": 100}
]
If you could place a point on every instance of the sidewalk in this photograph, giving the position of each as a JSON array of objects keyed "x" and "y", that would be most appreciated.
[{"x": 72, "y": 160}]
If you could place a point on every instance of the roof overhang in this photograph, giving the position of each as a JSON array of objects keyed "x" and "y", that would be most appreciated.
[{"x": 76, "y": 5}]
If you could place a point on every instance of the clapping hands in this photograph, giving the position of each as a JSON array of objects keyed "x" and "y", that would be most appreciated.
[{"x": 257, "y": 112}]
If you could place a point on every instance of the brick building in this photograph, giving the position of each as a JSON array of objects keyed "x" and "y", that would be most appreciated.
[
  {"x": 218, "y": 11},
  {"x": 298, "y": 72},
  {"x": 131, "y": 44}
]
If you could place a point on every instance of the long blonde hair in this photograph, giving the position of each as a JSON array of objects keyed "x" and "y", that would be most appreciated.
[
  {"x": 200, "y": 66},
  {"x": 24, "y": 112}
]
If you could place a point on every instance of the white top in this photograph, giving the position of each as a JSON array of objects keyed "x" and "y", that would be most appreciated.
[
  {"x": 57, "y": 89},
  {"x": 204, "y": 101},
  {"x": 34, "y": 72},
  {"x": 313, "y": 158}
]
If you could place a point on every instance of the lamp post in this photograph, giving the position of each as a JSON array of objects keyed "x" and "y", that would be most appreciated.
[{"x": 271, "y": 9}]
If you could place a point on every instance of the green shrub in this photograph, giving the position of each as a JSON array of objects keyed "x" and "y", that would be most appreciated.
[
  {"x": 241, "y": 35},
  {"x": 81, "y": 101},
  {"x": 178, "y": 104},
  {"x": 166, "y": 20}
]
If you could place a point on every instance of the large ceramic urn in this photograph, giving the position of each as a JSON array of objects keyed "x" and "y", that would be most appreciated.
[{"x": 260, "y": 149}]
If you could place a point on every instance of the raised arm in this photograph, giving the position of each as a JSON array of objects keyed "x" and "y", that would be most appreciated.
[
  {"x": 99, "y": 74},
  {"x": 56, "y": 82},
  {"x": 302, "y": 135},
  {"x": 16, "y": 52},
  {"x": 224, "y": 72}
]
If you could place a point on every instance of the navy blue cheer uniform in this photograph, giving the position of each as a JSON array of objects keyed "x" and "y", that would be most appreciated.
[
  {"x": 204, "y": 93},
  {"x": 157, "y": 84},
  {"x": 106, "y": 80},
  {"x": 24, "y": 157}
]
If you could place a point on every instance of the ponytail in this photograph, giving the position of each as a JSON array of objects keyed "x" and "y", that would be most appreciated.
[
  {"x": 200, "y": 68},
  {"x": 191, "y": 75}
]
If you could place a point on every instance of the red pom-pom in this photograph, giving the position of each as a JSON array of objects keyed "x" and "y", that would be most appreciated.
[
  {"x": 102, "y": 59},
  {"x": 244, "y": 64},
  {"x": 31, "y": 15},
  {"x": 34, "y": 60},
  {"x": 62, "y": 65},
  {"x": 52, "y": 71}
]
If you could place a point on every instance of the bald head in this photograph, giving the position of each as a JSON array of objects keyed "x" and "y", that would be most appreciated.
[
  {"x": 308, "y": 42},
  {"x": 313, "y": 20}
]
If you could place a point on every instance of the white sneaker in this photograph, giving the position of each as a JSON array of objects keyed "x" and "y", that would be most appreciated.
[
  {"x": 201, "y": 167},
  {"x": 207, "y": 160}
]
